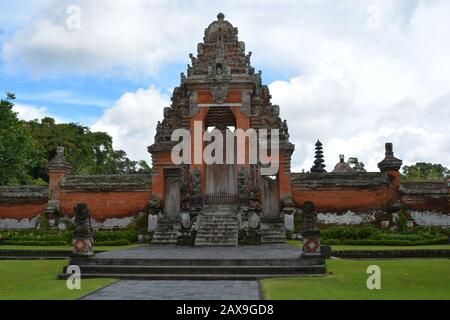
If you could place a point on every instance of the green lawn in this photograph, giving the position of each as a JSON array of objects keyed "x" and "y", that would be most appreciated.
[
  {"x": 36, "y": 280},
  {"x": 102, "y": 248},
  {"x": 400, "y": 279},
  {"x": 345, "y": 247}
]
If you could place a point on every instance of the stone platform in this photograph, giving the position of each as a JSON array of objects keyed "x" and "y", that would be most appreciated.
[{"x": 200, "y": 263}]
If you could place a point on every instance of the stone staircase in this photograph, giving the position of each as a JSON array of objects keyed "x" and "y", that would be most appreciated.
[
  {"x": 166, "y": 233},
  {"x": 196, "y": 269},
  {"x": 273, "y": 233},
  {"x": 218, "y": 227}
]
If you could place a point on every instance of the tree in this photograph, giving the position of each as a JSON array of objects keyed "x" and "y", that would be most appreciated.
[
  {"x": 355, "y": 164},
  {"x": 422, "y": 171},
  {"x": 18, "y": 152},
  {"x": 27, "y": 147}
]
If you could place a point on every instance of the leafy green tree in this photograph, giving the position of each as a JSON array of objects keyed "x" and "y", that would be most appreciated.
[
  {"x": 422, "y": 171},
  {"x": 356, "y": 164},
  {"x": 18, "y": 152},
  {"x": 144, "y": 167}
]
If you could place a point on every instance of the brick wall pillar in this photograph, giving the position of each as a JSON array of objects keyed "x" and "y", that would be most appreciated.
[
  {"x": 58, "y": 168},
  {"x": 391, "y": 166}
]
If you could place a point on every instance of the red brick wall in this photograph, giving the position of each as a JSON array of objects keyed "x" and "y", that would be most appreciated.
[
  {"x": 105, "y": 205},
  {"x": 341, "y": 200},
  {"x": 424, "y": 203},
  {"x": 21, "y": 211}
]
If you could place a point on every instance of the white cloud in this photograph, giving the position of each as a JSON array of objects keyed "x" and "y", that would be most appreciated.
[
  {"x": 132, "y": 121},
  {"x": 29, "y": 112},
  {"x": 352, "y": 85},
  {"x": 66, "y": 97}
]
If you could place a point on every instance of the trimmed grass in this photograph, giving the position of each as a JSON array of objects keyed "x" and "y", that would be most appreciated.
[
  {"x": 36, "y": 280},
  {"x": 346, "y": 247},
  {"x": 103, "y": 248},
  {"x": 400, "y": 279}
]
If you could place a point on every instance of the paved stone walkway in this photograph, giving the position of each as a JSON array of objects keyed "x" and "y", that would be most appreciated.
[{"x": 178, "y": 290}]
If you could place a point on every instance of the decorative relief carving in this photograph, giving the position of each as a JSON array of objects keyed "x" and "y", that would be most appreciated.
[{"x": 220, "y": 93}]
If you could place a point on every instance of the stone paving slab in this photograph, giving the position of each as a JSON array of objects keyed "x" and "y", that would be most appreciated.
[
  {"x": 268, "y": 251},
  {"x": 178, "y": 290}
]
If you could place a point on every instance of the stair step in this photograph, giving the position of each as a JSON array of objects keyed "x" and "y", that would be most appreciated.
[
  {"x": 241, "y": 270},
  {"x": 197, "y": 262},
  {"x": 189, "y": 277}
]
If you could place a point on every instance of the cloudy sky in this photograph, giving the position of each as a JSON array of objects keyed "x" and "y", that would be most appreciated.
[{"x": 353, "y": 74}]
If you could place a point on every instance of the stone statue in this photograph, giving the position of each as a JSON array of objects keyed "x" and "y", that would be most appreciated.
[
  {"x": 196, "y": 182},
  {"x": 243, "y": 181},
  {"x": 190, "y": 71},
  {"x": 248, "y": 59},
  {"x": 309, "y": 216},
  {"x": 154, "y": 206},
  {"x": 285, "y": 130},
  {"x": 288, "y": 202},
  {"x": 83, "y": 237},
  {"x": 193, "y": 59},
  {"x": 183, "y": 78},
  {"x": 219, "y": 71}
]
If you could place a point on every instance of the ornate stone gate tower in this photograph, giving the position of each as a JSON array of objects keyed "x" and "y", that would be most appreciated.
[{"x": 220, "y": 90}]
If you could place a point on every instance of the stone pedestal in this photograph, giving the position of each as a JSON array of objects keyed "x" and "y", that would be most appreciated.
[{"x": 311, "y": 243}]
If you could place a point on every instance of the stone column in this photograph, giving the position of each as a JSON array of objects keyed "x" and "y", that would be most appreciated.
[
  {"x": 58, "y": 168},
  {"x": 310, "y": 232},
  {"x": 83, "y": 237}
]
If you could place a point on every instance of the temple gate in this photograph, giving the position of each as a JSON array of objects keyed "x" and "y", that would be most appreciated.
[{"x": 222, "y": 91}]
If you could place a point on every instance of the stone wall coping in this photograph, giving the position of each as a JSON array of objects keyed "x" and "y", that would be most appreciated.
[
  {"x": 424, "y": 188},
  {"x": 340, "y": 180},
  {"x": 102, "y": 183},
  {"x": 19, "y": 194}
]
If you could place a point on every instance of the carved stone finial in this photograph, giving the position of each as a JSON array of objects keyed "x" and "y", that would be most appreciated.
[
  {"x": 59, "y": 162},
  {"x": 390, "y": 163},
  {"x": 318, "y": 167},
  {"x": 220, "y": 16}
]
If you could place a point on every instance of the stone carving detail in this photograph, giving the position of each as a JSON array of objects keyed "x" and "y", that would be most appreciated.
[
  {"x": 220, "y": 93},
  {"x": 243, "y": 181},
  {"x": 284, "y": 131},
  {"x": 196, "y": 182},
  {"x": 200, "y": 48},
  {"x": 309, "y": 216},
  {"x": 246, "y": 102},
  {"x": 154, "y": 206},
  {"x": 83, "y": 237}
]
